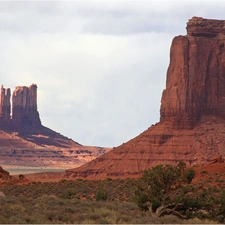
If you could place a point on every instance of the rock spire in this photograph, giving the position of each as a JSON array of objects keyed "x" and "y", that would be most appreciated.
[{"x": 4, "y": 105}]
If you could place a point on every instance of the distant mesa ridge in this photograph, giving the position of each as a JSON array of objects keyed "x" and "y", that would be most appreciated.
[{"x": 24, "y": 108}]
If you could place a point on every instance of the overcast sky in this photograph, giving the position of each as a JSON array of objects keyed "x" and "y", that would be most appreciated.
[{"x": 100, "y": 66}]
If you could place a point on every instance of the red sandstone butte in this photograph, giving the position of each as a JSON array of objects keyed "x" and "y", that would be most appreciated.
[{"x": 192, "y": 114}]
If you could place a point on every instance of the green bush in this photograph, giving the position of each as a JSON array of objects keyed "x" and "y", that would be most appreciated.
[
  {"x": 101, "y": 195},
  {"x": 69, "y": 193},
  {"x": 189, "y": 175}
]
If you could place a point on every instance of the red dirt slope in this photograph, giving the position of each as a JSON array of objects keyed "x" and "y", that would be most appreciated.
[{"x": 159, "y": 144}]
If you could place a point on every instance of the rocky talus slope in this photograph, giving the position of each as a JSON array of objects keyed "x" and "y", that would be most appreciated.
[{"x": 192, "y": 114}]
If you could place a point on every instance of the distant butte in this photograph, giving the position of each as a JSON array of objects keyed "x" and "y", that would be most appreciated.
[
  {"x": 24, "y": 109},
  {"x": 24, "y": 141},
  {"x": 192, "y": 114}
]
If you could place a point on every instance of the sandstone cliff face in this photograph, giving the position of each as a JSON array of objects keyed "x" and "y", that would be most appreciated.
[
  {"x": 198, "y": 26},
  {"x": 192, "y": 114},
  {"x": 24, "y": 111},
  {"x": 195, "y": 79},
  {"x": 25, "y": 115}
]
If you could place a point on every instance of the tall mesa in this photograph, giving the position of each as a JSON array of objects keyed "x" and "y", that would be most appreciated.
[{"x": 192, "y": 113}]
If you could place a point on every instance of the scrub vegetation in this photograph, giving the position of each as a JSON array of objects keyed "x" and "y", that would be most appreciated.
[{"x": 164, "y": 194}]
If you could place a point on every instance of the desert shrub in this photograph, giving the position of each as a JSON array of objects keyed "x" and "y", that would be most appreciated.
[
  {"x": 6, "y": 211},
  {"x": 51, "y": 209},
  {"x": 189, "y": 175},
  {"x": 159, "y": 190},
  {"x": 204, "y": 172},
  {"x": 103, "y": 221},
  {"x": 94, "y": 216},
  {"x": 101, "y": 195},
  {"x": 21, "y": 177},
  {"x": 69, "y": 210},
  {"x": 63, "y": 181},
  {"x": 108, "y": 179},
  {"x": 3, "y": 219},
  {"x": 69, "y": 193}
]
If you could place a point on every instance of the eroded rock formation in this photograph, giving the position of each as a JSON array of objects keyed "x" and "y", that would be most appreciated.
[
  {"x": 192, "y": 114},
  {"x": 195, "y": 79},
  {"x": 24, "y": 108}
]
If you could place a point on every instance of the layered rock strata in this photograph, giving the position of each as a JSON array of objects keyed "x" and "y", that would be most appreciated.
[
  {"x": 159, "y": 144},
  {"x": 192, "y": 113}
]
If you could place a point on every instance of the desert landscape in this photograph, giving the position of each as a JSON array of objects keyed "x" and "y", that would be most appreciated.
[{"x": 173, "y": 172}]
